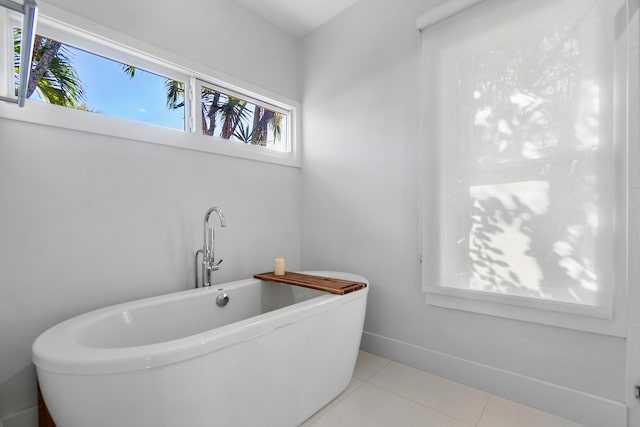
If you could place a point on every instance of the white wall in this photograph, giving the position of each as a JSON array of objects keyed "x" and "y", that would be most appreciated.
[
  {"x": 360, "y": 214},
  {"x": 87, "y": 220},
  {"x": 221, "y": 34}
]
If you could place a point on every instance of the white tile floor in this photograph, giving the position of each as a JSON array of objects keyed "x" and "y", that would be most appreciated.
[{"x": 387, "y": 394}]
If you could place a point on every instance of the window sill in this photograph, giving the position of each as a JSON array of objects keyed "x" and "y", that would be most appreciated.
[
  {"x": 41, "y": 113},
  {"x": 570, "y": 316}
]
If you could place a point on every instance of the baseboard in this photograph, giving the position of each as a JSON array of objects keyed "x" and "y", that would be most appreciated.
[
  {"x": 584, "y": 408},
  {"x": 26, "y": 418}
]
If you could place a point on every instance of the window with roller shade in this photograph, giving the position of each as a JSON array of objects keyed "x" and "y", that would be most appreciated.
[{"x": 521, "y": 117}]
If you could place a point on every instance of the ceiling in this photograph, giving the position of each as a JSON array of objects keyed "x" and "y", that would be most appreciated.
[{"x": 297, "y": 17}]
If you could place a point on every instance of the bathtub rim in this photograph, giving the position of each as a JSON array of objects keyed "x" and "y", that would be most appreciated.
[{"x": 57, "y": 349}]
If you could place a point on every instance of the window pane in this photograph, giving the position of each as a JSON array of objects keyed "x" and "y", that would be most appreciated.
[
  {"x": 523, "y": 123},
  {"x": 64, "y": 75},
  {"x": 239, "y": 120}
]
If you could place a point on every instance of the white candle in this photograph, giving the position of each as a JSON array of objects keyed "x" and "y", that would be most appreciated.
[{"x": 278, "y": 266}]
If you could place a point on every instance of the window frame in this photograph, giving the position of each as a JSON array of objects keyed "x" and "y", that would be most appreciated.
[
  {"x": 73, "y": 30},
  {"x": 6, "y": 53},
  {"x": 196, "y": 119},
  {"x": 602, "y": 320}
]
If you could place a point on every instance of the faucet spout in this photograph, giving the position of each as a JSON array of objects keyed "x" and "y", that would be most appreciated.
[{"x": 223, "y": 221}]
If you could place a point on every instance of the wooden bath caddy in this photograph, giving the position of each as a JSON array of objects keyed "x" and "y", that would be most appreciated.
[{"x": 326, "y": 284}]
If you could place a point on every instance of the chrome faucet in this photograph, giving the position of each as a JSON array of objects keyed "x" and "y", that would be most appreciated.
[{"x": 209, "y": 263}]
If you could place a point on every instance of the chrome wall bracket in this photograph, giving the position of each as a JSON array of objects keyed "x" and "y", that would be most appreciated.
[{"x": 30, "y": 11}]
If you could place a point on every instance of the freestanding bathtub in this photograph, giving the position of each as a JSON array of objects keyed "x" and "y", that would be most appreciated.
[{"x": 273, "y": 356}]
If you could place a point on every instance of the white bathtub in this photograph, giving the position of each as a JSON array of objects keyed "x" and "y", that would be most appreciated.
[{"x": 272, "y": 357}]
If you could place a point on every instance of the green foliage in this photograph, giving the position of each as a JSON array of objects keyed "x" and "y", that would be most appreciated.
[
  {"x": 58, "y": 82},
  {"x": 232, "y": 112},
  {"x": 244, "y": 134},
  {"x": 276, "y": 125},
  {"x": 129, "y": 70},
  {"x": 175, "y": 94}
]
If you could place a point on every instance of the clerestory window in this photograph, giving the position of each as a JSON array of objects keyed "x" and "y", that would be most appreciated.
[
  {"x": 64, "y": 75},
  {"x": 123, "y": 91}
]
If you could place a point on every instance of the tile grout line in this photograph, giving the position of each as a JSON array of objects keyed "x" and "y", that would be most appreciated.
[
  {"x": 486, "y": 405},
  {"x": 376, "y": 372},
  {"x": 429, "y": 407},
  {"x": 341, "y": 397},
  {"x": 421, "y": 404},
  {"x": 334, "y": 402}
]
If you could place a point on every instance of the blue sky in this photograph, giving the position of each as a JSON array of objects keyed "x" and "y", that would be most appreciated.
[{"x": 109, "y": 90}]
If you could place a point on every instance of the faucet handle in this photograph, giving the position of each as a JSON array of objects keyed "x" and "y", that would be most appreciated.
[{"x": 215, "y": 266}]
